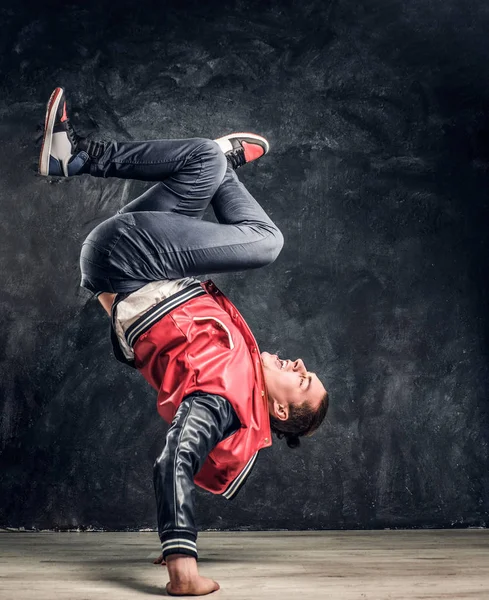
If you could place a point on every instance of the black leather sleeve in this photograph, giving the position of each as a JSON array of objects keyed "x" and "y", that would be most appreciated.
[{"x": 201, "y": 422}]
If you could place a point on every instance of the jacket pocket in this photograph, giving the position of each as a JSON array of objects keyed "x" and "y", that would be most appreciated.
[{"x": 218, "y": 323}]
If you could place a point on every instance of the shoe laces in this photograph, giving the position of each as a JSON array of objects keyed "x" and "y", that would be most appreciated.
[
  {"x": 72, "y": 135},
  {"x": 236, "y": 157}
]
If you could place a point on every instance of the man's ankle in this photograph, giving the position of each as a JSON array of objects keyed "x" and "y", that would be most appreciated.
[
  {"x": 181, "y": 568},
  {"x": 93, "y": 148}
]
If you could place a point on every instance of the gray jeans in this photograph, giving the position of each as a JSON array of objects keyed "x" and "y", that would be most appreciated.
[{"x": 161, "y": 234}]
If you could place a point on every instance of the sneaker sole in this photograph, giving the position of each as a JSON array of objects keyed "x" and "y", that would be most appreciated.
[
  {"x": 247, "y": 136},
  {"x": 47, "y": 139}
]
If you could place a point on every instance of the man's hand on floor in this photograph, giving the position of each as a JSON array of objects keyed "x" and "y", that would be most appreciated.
[
  {"x": 159, "y": 561},
  {"x": 185, "y": 579}
]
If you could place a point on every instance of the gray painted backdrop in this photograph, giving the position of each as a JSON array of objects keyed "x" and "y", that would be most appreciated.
[{"x": 377, "y": 114}]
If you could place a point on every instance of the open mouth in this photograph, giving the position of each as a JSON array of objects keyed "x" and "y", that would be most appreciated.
[{"x": 281, "y": 363}]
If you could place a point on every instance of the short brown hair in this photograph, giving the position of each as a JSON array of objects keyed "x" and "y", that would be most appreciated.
[{"x": 302, "y": 421}]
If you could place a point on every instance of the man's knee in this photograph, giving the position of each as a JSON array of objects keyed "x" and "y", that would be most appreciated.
[
  {"x": 271, "y": 247},
  {"x": 278, "y": 244},
  {"x": 211, "y": 150}
]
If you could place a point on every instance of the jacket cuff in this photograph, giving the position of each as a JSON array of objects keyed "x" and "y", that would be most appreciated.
[{"x": 179, "y": 542}]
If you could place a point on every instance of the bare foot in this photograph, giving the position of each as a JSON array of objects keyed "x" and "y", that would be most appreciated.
[
  {"x": 200, "y": 586},
  {"x": 185, "y": 579},
  {"x": 159, "y": 561}
]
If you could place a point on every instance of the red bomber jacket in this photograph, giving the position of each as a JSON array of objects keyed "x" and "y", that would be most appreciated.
[{"x": 204, "y": 344}]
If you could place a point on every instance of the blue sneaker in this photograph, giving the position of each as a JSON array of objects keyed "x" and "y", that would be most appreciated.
[{"x": 60, "y": 152}]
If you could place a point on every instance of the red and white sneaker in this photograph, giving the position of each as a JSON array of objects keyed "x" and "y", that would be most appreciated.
[
  {"x": 242, "y": 148},
  {"x": 60, "y": 152}
]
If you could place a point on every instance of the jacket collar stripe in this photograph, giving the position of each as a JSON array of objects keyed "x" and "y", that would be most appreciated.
[
  {"x": 160, "y": 310},
  {"x": 234, "y": 488}
]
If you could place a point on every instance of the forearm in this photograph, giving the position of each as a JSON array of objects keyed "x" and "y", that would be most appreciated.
[
  {"x": 174, "y": 490},
  {"x": 201, "y": 422}
]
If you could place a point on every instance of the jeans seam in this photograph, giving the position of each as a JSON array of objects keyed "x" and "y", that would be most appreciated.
[
  {"x": 98, "y": 247},
  {"x": 155, "y": 162},
  {"x": 207, "y": 247},
  {"x": 85, "y": 259}
]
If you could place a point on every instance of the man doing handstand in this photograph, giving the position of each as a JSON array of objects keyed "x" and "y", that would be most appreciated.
[{"x": 220, "y": 395}]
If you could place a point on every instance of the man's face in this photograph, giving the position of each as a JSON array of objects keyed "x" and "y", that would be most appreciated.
[{"x": 289, "y": 382}]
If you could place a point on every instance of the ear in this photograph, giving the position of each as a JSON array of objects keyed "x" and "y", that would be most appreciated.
[{"x": 280, "y": 411}]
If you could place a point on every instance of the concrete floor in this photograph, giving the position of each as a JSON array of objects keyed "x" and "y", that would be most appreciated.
[{"x": 376, "y": 565}]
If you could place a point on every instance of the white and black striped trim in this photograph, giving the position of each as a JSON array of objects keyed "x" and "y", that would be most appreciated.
[
  {"x": 240, "y": 480},
  {"x": 179, "y": 546},
  {"x": 158, "y": 311}
]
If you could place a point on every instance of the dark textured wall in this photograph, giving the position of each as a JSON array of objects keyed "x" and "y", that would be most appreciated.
[{"x": 377, "y": 114}]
